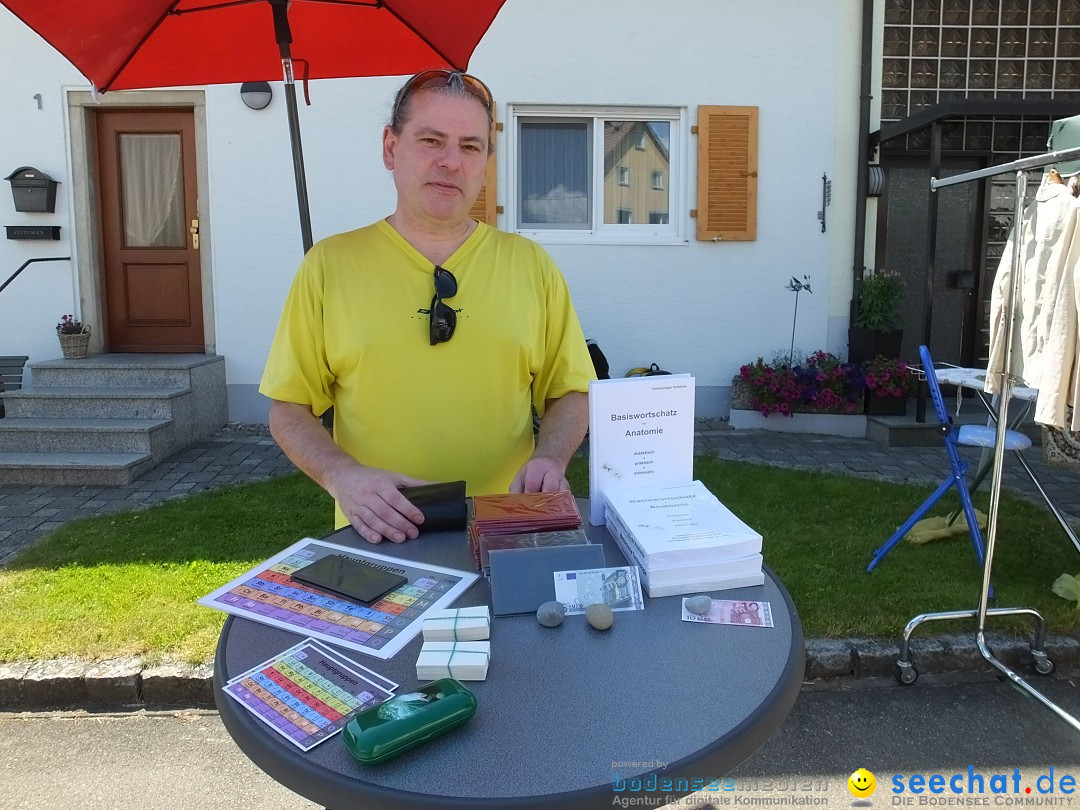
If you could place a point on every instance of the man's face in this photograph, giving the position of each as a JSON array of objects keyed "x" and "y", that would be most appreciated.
[{"x": 440, "y": 157}]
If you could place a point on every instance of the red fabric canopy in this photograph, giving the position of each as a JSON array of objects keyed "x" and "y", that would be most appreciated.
[{"x": 127, "y": 44}]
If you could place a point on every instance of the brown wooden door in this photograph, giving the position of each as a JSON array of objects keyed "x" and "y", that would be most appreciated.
[{"x": 152, "y": 283}]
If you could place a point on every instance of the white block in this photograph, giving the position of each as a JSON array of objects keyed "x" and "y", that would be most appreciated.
[
  {"x": 461, "y": 660},
  {"x": 458, "y": 624}
]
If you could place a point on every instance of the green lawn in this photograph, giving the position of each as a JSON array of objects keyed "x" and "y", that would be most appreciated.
[{"x": 126, "y": 584}]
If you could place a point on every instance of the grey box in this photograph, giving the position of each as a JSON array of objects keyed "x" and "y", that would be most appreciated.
[{"x": 522, "y": 579}]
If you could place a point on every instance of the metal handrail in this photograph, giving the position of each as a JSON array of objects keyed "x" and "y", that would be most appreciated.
[{"x": 27, "y": 263}]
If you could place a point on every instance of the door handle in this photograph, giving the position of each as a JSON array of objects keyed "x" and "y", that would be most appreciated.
[{"x": 194, "y": 231}]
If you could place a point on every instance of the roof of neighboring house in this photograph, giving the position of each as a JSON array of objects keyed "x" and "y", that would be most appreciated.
[{"x": 616, "y": 132}]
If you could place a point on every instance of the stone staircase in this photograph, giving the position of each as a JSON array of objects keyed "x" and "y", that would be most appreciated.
[
  {"x": 905, "y": 431},
  {"x": 107, "y": 419}
]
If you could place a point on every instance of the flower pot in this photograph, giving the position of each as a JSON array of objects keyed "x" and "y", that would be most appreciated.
[
  {"x": 74, "y": 346},
  {"x": 885, "y": 406},
  {"x": 865, "y": 344}
]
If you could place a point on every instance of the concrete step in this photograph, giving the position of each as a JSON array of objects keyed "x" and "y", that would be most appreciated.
[
  {"x": 123, "y": 370},
  {"x": 73, "y": 469},
  {"x": 32, "y": 435},
  {"x": 904, "y": 431},
  {"x": 74, "y": 402}
]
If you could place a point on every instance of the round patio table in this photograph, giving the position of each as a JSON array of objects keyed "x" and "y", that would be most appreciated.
[{"x": 568, "y": 717}]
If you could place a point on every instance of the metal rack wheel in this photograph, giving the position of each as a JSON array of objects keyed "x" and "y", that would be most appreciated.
[
  {"x": 1043, "y": 665},
  {"x": 906, "y": 674}
]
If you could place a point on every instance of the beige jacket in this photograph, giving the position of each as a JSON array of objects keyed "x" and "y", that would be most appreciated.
[{"x": 1044, "y": 343}]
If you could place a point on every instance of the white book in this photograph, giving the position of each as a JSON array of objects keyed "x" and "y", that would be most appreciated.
[
  {"x": 681, "y": 525},
  {"x": 641, "y": 433},
  {"x": 750, "y": 580},
  {"x": 697, "y": 575}
]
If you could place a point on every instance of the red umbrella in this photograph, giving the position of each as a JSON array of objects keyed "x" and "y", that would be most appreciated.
[{"x": 128, "y": 44}]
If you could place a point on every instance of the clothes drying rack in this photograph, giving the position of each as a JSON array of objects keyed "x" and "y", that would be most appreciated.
[{"x": 1042, "y": 664}]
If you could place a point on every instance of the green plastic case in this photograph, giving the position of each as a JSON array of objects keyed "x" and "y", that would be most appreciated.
[{"x": 408, "y": 720}]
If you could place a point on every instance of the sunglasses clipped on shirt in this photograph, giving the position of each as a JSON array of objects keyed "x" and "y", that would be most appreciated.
[
  {"x": 442, "y": 319},
  {"x": 442, "y": 78}
]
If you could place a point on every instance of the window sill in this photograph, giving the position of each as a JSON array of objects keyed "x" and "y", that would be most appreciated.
[{"x": 592, "y": 238}]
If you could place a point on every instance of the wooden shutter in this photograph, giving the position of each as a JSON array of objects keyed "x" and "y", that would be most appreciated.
[
  {"x": 484, "y": 209},
  {"x": 727, "y": 173}
]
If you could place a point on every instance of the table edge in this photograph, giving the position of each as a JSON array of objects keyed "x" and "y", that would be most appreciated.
[{"x": 265, "y": 752}]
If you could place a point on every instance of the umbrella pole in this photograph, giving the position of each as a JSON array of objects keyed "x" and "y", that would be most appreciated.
[{"x": 284, "y": 39}]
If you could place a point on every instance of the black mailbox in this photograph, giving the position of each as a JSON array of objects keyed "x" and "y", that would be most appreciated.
[{"x": 34, "y": 191}]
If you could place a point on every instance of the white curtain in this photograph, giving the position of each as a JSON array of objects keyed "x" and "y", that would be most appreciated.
[
  {"x": 152, "y": 188},
  {"x": 555, "y": 173}
]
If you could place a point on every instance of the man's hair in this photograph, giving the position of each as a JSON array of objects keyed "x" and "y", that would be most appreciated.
[{"x": 451, "y": 83}]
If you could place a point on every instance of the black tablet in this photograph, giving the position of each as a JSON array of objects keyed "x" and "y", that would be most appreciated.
[{"x": 348, "y": 577}]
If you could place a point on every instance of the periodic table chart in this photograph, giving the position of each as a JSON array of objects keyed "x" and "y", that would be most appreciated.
[
  {"x": 308, "y": 693},
  {"x": 267, "y": 594}
]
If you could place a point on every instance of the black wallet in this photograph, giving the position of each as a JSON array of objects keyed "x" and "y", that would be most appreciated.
[{"x": 443, "y": 505}]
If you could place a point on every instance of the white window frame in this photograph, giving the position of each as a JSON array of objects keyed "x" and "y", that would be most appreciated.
[
  {"x": 629, "y": 215},
  {"x": 672, "y": 233},
  {"x": 622, "y": 175},
  {"x": 658, "y": 180}
]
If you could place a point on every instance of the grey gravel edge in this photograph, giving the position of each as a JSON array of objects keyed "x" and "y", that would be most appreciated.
[{"x": 128, "y": 683}]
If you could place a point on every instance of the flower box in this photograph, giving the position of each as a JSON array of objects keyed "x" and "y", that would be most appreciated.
[
  {"x": 742, "y": 399},
  {"x": 824, "y": 424},
  {"x": 819, "y": 383},
  {"x": 802, "y": 418}
]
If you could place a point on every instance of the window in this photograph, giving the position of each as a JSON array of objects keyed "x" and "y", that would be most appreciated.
[
  {"x": 555, "y": 174},
  {"x": 578, "y": 174}
]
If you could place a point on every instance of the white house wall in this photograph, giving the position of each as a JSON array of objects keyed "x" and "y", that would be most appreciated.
[
  {"x": 700, "y": 307},
  {"x": 33, "y": 304}
]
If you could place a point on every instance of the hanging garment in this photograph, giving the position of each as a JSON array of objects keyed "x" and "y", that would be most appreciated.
[
  {"x": 1072, "y": 406},
  {"x": 1059, "y": 396},
  {"x": 1044, "y": 326}
]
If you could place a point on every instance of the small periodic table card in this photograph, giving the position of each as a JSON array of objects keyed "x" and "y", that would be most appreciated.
[{"x": 308, "y": 693}]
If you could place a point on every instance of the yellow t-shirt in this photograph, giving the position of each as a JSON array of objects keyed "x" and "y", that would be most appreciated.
[{"x": 354, "y": 334}]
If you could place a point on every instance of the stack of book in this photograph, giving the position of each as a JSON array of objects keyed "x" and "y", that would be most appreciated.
[
  {"x": 534, "y": 520},
  {"x": 458, "y": 624},
  {"x": 487, "y": 543},
  {"x": 461, "y": 660},
  {"x": 682, "y": 539}
]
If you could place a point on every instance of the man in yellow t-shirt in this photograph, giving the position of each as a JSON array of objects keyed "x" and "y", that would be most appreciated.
[{"x": 431, "y": 334}]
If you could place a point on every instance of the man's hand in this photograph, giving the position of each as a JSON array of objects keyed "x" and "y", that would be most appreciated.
[
  {"x": 369, "y": 497},
  {"x": 372, "y": 501},
  {"x": 540, "y": 475},
  {"x": 561, "y": 431}
]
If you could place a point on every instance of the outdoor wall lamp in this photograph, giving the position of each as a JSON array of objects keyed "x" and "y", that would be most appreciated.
[
  {"x": 256, "y": 95},
  {"x": 875, "y": 180}
]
